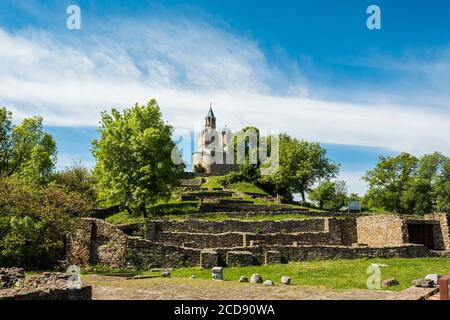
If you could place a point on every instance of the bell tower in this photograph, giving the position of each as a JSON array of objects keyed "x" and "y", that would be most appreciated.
[{"x": 210, "y": 120}]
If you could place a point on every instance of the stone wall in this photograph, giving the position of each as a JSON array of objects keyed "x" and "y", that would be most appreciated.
[
  {"x": 290, "y": 238},
  {"x": 381, "y": 230},
  {"x": 325, "y": 252},
  {"x": 49, "y": 286},
  {"x": 201, "y": 240},
  {"x": 443, "y": 232},
  {"x": 98, "y": 242},
  {"x": 263, "y": 226}
]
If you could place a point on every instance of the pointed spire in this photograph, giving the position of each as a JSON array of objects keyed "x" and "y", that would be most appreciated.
[{"x": 210, "y": 112}]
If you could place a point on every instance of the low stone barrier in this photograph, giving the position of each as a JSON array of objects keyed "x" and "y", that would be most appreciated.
[
  {"x": 262, "y": 226},
  {"x": 239, "y": 258},
  {"x": 99, "y": 242},
  {"x": 49, "y": 286},
  {"x": 290, "y": 238}
]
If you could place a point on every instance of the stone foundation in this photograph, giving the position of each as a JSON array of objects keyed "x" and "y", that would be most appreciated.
[
  {"x": 239, "y": 258},
  {"x": 49, "y": 286},
  {"x": 209, "y": 259},
  {"x": 99, "y": 242},
  {"x": 272, "y": 257}
]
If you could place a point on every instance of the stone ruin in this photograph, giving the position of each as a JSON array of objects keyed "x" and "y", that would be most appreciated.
[
  {"x": 234, "y": 242},
  {"x": 14, "y": 285}
]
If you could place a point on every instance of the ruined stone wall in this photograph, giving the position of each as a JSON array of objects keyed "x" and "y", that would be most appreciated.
[
  {"x": 291, "y": 253},
  {"x": 212, "y": 234},
  {"x": 290, "y": 238},
  {"x": 381, "y": 230},
  {"x": 204, "y": 226},
  {"x": 98, "y": 242},
  {"x": 201, "y": 240},
  {"x": 348, "y": 231},
  {"x": 443, "y": 232},
  {"x": 49, "y": 286},
  {"x": 144, "y": 254},
  {"x": 324, "y": 252}
]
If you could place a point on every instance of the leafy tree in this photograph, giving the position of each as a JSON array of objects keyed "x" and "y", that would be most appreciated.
[
  {"x": 78, "y": 178},
  {"x": 330, "y": 195},
  {"x": 134, "y": 157},
  {"x": 406, "y": 184},
  {"x": 389, "y": 180},
  {"x": 301, "y": 165},
  {"x": 245, "y": 148},
  {"x": 26, "y": 150},
  {"x": 34, "y": 220},
  {"x": 442, "y": 188}
]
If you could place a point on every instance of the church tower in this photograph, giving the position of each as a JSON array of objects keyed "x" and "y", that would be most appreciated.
[
  {"x": 211, "y": 151},
  {"x": 210, "y": 120}
]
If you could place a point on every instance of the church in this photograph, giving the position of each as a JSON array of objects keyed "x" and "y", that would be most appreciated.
[{"x": 211, "y": 155}]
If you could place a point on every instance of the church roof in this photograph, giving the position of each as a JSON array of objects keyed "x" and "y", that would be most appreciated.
[{"x": 210, "y": 113}]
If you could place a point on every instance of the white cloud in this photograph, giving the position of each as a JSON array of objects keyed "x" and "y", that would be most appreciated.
[{"x": 185, "y": 66}]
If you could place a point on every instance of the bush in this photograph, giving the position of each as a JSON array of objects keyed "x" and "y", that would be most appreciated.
[
  {"x": 34, "y": 220},
  {"x": 78, "y": 178},
  {"x": 199, "y": 168}
]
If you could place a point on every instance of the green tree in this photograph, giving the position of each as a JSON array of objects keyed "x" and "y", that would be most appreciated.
[
  {"x": 34, "y": 220},
  {"x": 390, "y": 180},
  {"x": 441, "y": 188},
  {"x": 137, "y": 161},
  {"x": 406, "y": 184},
  {"x": 26, "y": 150},
  {"x": 301, "y": 165},
  {"x": 78, "y": 178},
  {"x": 330, "y": 195}
]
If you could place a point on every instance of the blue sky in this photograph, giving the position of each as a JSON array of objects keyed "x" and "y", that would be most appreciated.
[{"x": 310, "y": 68}]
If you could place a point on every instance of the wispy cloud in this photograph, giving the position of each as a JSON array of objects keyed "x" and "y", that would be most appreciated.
[{"x": 186, "y": 65}]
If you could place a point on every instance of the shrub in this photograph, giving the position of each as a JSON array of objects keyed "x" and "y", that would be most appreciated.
[{"x": 34, "y": 220}]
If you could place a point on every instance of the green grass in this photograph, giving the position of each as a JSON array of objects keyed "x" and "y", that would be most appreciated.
[
  {"x": 212, "y": 182},
  {"x": 157, "y": 211},
  {"x": 247, "y": 187},
  {"x": 124, "y": 218},
  {"x": 335, "y": 274}
]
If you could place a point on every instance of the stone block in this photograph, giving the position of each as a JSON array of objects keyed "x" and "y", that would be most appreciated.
[
  {"x": 390, "y": 282},
  {"x": 208, "y": 259},
  {"x": 239, "y": 258},
  {"x": 256, "y": 278},
  {"x": 433, "y": 277},
  {"x": 421, "y": 283},
  {"x": 272, "y": 257},
  {"x": 286, "y": 280},
  {"x": 269, "y": 283},
  {"x": 217, "y": 273}
]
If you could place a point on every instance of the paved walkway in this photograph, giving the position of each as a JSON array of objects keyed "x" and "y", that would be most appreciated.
[{"x": 112, "y": 288}]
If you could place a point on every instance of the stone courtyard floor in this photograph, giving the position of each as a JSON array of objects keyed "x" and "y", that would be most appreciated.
[{"x": 115, "y": 288}]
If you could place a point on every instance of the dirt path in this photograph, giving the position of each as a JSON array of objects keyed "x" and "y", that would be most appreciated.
[{"x": 112, "y": 288}]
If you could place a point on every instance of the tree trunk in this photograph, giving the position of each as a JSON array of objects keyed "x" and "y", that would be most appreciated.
[
  {"x": 143, "y": 210},
  {"x": 303, "y": 196}
]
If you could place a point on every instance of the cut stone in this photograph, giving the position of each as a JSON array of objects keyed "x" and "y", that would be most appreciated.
[
  {"x": 286, "y": 280},
  {"x": 256, "y": 278},
  {"x": 433, "y": 277},
  {"x": 269, "y": 283},
  {"x": 217, "y": 273},
  {"x": 422, "y": 283},
  {"x": 390, "y": 282}
]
